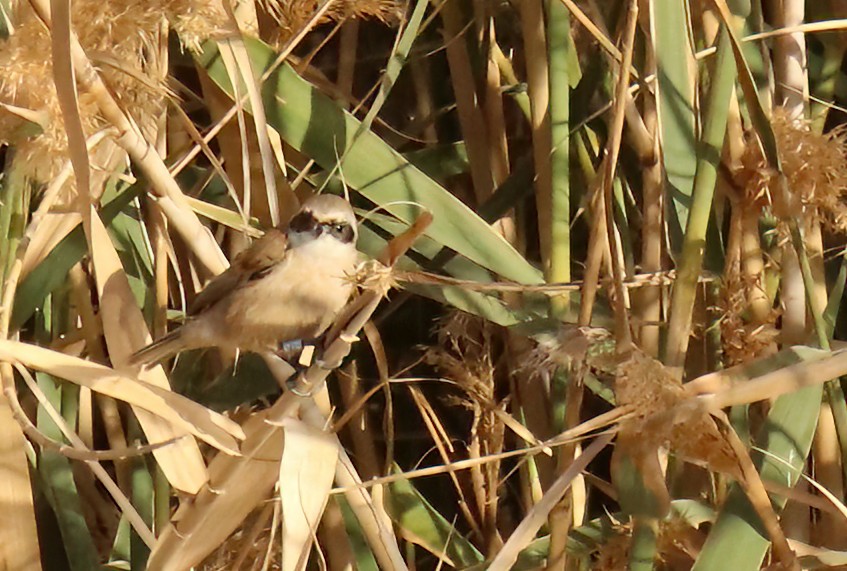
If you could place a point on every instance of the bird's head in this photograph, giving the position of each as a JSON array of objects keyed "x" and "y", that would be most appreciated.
[{"x": 326, "y": 218}]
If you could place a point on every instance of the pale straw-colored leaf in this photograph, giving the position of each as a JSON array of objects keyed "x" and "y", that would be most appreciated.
[
  {"x": 125, "y": 331},
  {"x": 223, "y": 216},
  {"x": 371, "y": 515},
  {"x": 305, "y": 480},
  {"x": 519, "y": 429},
  {"x": 820, "y": 367},
  {"x": 18, "y": 533},
  {"x": 236, "y": 487},
  {"x": 209, "y": 426},
  {"x": 245, "y": 68},
  {"x": 525, "y": 533},
  {"x": 239, "y": 143},
  {"x": 64, "y": 78},
  {"x": 811, "y": 557}
]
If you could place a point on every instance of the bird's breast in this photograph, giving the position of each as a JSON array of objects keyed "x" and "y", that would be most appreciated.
[{"x": 296, "y": 300}]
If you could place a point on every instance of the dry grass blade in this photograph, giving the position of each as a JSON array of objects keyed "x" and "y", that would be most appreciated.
[
  {"x": 236, "y": 486},
  {"x": 209, "y": 426},
  {"x": 369, "y": 512},
  {"x": 64, "y": 78},
  {"x": 237, "y": 144},
  {"x": 771, "y": 385},
  {"x": 622, "y": 326},
  {"x": 524, "y": 534},
  {"x": 550, "y": 288},
  {"x": 223, "y": 216},
  {"x": 18, "y": 532},
  {"x": 598, "y": 35},
  {"x": 105, "y": 479},
  {"x": 470, "y": 115},
  {"x": 306, "y": 471},
  {"x": 125, "y": 331},
  {"x": 242, "y": 63},
  {"x": 837, "y": 505},
  {"x": 520, "y": 430},
  {"x": 47, "y": 229},
  {"x": 442, "y": 442},
  {"x": 751, "y": 482}
]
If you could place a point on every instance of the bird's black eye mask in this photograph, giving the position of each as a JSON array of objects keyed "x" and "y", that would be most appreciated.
[{"x": 305, "y": 222}]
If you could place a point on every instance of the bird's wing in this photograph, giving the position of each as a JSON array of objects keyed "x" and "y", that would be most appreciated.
[{"x": 250, "y": 264}]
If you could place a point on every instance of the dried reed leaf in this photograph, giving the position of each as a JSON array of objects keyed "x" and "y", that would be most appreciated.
[
  {"x": 18, "y": 532},
  {"x": 520, "y": 430},
  {"x": 209, "y": 426},
  {"x": 441, "y": 439},
  {"x": 236, "y": 144},
  {"x": 64, "y": 80},
  {"x": 812, "y": 557},
  {"x": 840, "y": 507},
  {"x": 236, "y": 486},
  {"x": 306, "y": 473},
  {"x": 369, "y": 511},
  {"x": 782, "y": 375},
  {"x": 526, "y": 531},
  {"x": 223, "y": 216},
  {"x": 236, "y": 50},
  {"x": 125, "y": 331}
]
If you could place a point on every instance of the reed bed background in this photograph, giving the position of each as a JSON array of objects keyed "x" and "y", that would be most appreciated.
[{"x": 604, "y": 333}]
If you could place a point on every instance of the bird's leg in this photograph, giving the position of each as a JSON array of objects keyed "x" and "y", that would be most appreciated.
[{"x": 304, "y": 349}]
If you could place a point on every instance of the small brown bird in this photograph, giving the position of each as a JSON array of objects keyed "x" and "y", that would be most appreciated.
[{"x": 287, "y": 286}]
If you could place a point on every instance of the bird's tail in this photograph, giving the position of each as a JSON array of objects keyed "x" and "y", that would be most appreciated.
[{"x": 168, "y": 345}]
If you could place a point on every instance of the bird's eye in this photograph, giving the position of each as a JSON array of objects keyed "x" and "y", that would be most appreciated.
[{"x": 338, "y": 229}]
